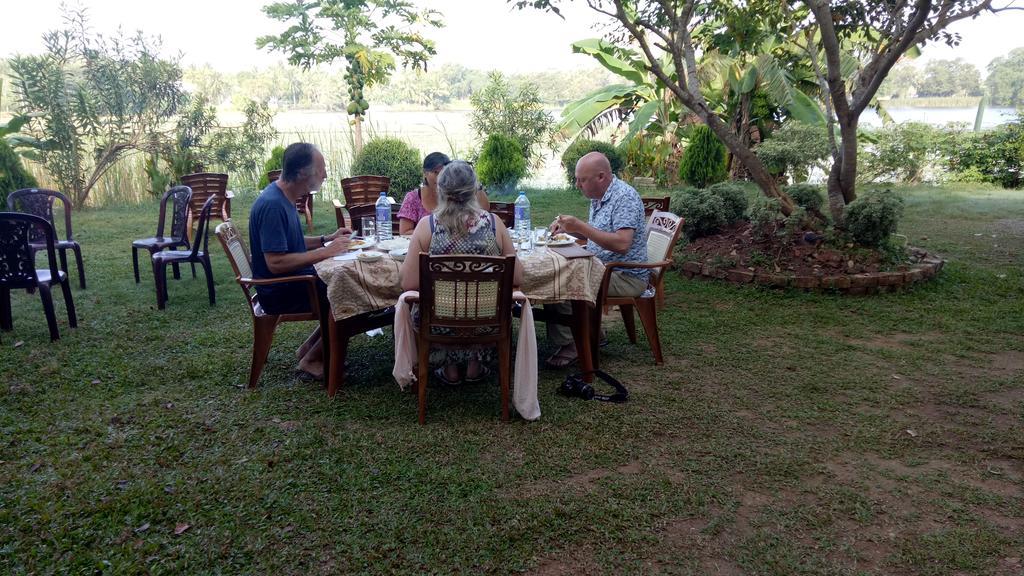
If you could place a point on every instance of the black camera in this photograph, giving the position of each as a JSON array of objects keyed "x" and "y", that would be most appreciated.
[{"x": 575, "y": 386}]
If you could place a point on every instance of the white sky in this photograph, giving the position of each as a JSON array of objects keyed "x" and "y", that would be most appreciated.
[{"x": 482, "y": 34}]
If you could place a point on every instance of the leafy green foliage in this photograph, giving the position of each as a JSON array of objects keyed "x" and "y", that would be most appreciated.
[
  {"x": 652, "y": 157},
  {"x": 95, "y": 99},
  {"x": 702, "y": 210},
  {"x": 393, "y": 158},
  {"x": 1005, "y": 80},
  {"x": 582, "y": 147},
  {"x": 872, "y": 217},
  {"x": 273, "y": 163},
  {"x": 795, "y": 148},
  {"x": 242, "y": 150},
  {"x": 766, "y": 216},
  {"x": 501, "y": 164},
  {"x": 996, "y": 155},
  {"x": 734, "y": 199},
  {"x": 703, "y": 161},
  {"x": 901, "y": 152},
  {"x": 13, "y": 175},
  {"x": 516, "y": 113},
  {"x": 190, "y": 151},
  {"x": 950, "y": 78},
  {"x": 807, "y": 196}
]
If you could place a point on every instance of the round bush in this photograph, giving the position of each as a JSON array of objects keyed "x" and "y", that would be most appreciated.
[
  {"x": 733, "y": 197},
  {"x": 807, "y": 195},
  {"x": 501, "y": 164},
  {"x": 703, "y": 211},
  {"x": 393, "y": 158},
  {"x": 872, "y": 217},
  {"x": 13, "y": 175},
  {"x": 703, "y": 160},
  {"x": 273, "y": 163},
  {"x": 581, "y": 148}
]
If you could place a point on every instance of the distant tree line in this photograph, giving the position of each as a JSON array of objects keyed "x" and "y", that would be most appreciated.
[{"x": 943, "y": 78}]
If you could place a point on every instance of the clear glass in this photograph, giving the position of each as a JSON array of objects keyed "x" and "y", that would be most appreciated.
[{"x": 369, "y": 227}]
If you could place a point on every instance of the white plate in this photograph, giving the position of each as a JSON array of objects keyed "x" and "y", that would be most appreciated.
[
  {"x": 369, "y": 256},
  {"x": 566, "y": 242},
  {"x": 399, "y": 253},
  {"x": 393, "y": 244},
  {"x": 362, "y": 243}
]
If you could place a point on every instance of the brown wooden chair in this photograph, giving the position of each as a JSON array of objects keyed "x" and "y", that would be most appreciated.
[
  {"x": 662, "y": 234},
  {"x": 179, "y": 197},
  {"x": 505, "y": 211},
  {"x": 364, "y": 189},
  {"x": 206, "y": 185},
  {"x": 195, "y": 255},
  {"x": 461, "y": 295},
  {"x": 304, "y": 205},
  {"x": 354, "y": 220},
  {"x": 18, "y": 268},
  {"x": 654, "y": 203},
  {"x": 39, "y": 202},
  {"x": 264, "y": 324}
]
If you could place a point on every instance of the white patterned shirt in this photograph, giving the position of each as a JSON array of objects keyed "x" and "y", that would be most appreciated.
[{"x": 619, "y": 208}]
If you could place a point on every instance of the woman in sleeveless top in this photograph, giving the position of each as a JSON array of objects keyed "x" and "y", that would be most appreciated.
[
  {"x": 458, "y": 226},
  {"x": 422, "y": 201}
]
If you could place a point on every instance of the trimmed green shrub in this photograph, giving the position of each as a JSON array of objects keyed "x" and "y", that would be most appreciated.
[
  {"x": 501, "y": 164},
  {"x": 702, "y": 210},
  {"x": 581, "y": 148},
  {"x": 13, "y": 175},
  {"x": 995, "y": 155},
  {"x": 905, "y": 152},
  {"x": 807, "y": 195},
  {"x": 275, "y": 162},
  {"x": 703, "y": 161},
  {"x": 766, "y": 216},
  {"x": 795, "y": 148},
  {"x": 734, "y": 198},
  {"x": 393, "y": 158},
  {"x": 872, "y": 217}
]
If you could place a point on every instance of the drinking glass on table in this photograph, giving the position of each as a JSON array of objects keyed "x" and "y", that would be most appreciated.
[{"x": 369, "y": 227}]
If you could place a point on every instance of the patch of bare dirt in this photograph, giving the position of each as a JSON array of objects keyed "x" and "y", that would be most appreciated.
[
  {"x": 895, "y": 341},
  {"x": 582, "y": 482},
  {"x": 1010, "y": 226}
]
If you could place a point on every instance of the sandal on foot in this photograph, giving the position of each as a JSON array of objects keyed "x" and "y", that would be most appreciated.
[
  {"x": 440, "y": 375},
  {"x": 561, "y": 361},
  {"x": 484, "y": 374}
]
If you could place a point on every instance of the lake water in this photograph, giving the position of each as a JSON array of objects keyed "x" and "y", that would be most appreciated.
[{"x": 942, "y": 116}]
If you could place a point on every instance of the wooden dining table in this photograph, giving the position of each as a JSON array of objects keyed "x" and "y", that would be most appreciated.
[{"x": 360, "y": 291}]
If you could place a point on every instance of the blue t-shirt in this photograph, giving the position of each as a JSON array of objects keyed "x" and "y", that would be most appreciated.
[{"x": 274, "y": 226}]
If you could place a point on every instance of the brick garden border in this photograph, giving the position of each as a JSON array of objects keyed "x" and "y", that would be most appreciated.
[{"x": 856, "y": 284}]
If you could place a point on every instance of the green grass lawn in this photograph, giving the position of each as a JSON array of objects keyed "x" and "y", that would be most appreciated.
[{"x": 787, "y": 433}]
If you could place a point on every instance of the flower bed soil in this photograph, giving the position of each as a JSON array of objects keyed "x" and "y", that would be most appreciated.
[{"x": 801, "y": 261}]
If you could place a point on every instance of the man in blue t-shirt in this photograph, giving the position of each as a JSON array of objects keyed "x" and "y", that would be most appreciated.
[{"x": 280, "y": 249}]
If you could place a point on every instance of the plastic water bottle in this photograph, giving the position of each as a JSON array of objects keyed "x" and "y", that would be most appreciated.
[
  {"x": 383, "y": 217},
  {"x": 524, "y": 229}
]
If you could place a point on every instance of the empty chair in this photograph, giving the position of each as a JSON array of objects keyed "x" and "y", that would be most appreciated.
[
  {"x": 18, "y": 268},
  {"x": 655, "y": 203},
  {"x": 39, "y": 202},
  {"x": 304, "y": 205},
  {"x": 505, "y": 211},
  {"x": 198, "y": 254},
  {"x": 264, "y": 324},
  {"x": 206, "y": 185},
  {"x": 465, "y": 300},
  {"x": 357, "y": 212},
  {"x": 179, "y": 197},
  {"x": 662, "y": 234},
  {"x": 364, "y": 189}
]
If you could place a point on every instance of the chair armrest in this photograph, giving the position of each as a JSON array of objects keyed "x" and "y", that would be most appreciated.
[
  {"x": 613, "y": 266},
  {"x": 307, "y": 279}
]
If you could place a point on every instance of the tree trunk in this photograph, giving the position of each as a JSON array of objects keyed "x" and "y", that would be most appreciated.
[
  {"x": 758, "y": 172},
  {"x": 357, "y": 133},
  {"x": 737, "y": 171},
  {"x": 842, "y": 178}
]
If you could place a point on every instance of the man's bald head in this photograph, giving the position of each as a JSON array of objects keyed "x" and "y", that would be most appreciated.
[{"x": 593, "y": 175}]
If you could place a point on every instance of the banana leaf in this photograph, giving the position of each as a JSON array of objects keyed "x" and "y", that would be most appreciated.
[{"x": 602, "y": 51}]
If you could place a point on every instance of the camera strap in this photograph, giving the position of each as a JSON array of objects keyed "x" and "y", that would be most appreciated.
[{"x": 621, "y": 393}]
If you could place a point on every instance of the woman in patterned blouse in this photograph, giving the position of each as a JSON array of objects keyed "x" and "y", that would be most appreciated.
[{"x": 420, "y": 202}]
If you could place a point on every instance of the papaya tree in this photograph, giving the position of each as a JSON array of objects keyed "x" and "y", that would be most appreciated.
[{"x": 368, "y": 34}]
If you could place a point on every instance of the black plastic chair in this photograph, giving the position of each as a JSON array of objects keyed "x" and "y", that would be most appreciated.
[
  {"x": 18, "y": 268},
  {"x": 39, "y": 202},
  {"x": 180, "y": 196},
  {"x": 194, "y": 256}
]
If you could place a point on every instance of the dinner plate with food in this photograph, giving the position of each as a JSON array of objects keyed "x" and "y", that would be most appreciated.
[
  {"x": 369, "y": 256},
  {"x": 393, "y": 244},
  {"x": 560, "y": 239},
  {"x": 359, "y": 243}
]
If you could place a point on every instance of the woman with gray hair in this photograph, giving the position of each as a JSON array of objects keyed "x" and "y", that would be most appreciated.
[{"x": 458, "y": 226}]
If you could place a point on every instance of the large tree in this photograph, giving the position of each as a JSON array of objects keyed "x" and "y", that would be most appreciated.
[
  {"x": 368, "y": 34},
  {"x": 1005, "y": 80},
  {"x": 950, "y": 78},
  {"x": 93, "y": 99},
  {"x": 867, "y": 36}
]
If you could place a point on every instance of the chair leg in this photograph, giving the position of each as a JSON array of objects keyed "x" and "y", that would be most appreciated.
[
  {"x": 176, "y": 270},
  {"x": 62, "y": 254},
  {"x": 135, "y": 263},
  {"x": 422, "y": 370},
  {"x": 263, "y": 337},
  {"x": 6, "y": 320},
  {"x": 69, "y": 303},
  {"x": 81, "y": 268},
  {"x": 505, "y": 375},
  {"x": 648, "y": 310},
  {"x": 660, "y": 292},
  {"x": 627, "y": 319},
  {"x": 193, "y": 264},
  {"x": 209, "y": 279},
  {"x": 160, "y": 280},
  {"x": 51, "y": 316}
]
